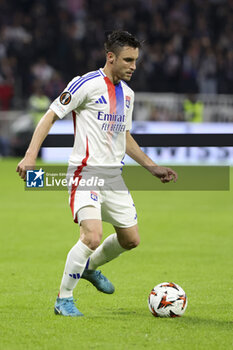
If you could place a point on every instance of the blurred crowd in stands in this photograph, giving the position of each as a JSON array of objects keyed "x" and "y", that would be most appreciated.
[{"x": 188, "y": 44}]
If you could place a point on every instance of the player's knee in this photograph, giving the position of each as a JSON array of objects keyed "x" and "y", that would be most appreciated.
[
  {"x": 134, "y": 243},
  {"x": 131, "y": 244},
  {"x": 91, "y": 237},
  {"x": 92, "y": 240},
  {"x": 94, "y": 243}
]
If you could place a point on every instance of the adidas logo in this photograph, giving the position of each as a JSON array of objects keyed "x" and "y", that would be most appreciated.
[
  {"x": 101, "y": 100},
  {"x": 76, "y": 276}
]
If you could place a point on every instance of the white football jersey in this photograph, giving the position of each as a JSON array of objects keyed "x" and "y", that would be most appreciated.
[{"x": 102, "y": 112}]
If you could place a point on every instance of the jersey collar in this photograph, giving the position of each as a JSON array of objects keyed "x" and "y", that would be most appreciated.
[
  {"x": 102, "y": 72},
  {"x": 105, "y": 76}
]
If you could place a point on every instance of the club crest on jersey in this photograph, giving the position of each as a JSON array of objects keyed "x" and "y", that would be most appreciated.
[
  {"x": 65, "y": 98},
  {"x": 127, "y": 101},
  {"x": 94, "y": 196}
]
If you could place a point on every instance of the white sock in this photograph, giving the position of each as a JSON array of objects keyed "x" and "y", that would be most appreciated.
[
  {"x": 107, "y": 251},
  {"x": 75, "y": 264}
]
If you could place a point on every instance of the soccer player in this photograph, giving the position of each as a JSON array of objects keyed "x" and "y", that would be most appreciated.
[{"x": 101, "y": 103}]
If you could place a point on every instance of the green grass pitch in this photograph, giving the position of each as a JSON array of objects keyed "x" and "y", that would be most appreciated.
[{"x": 186, "y": 237}]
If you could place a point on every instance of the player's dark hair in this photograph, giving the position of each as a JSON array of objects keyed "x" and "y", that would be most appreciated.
[{"x": 118, "y": 39}]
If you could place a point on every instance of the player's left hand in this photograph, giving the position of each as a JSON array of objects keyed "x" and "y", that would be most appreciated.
[{"x": 164, "y": 174}]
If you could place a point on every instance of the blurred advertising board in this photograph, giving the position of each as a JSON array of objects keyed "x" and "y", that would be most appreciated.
[{"x": 161, "y": 155}]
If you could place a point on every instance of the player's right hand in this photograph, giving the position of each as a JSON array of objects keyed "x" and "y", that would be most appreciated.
[
  {"x": 25, "y": 164},
  {"x": 164, "y": 174}
]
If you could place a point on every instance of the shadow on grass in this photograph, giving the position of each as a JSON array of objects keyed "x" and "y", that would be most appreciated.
[
  {"x": 198, "y": 321},
  {"x": 185, "y": 320},
  {"x": 112, "y": 313}
]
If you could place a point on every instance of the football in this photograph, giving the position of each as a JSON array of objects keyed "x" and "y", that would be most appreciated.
[{"x": 167, "y": 300}]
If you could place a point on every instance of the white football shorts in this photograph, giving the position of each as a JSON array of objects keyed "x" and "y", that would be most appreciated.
[{"x": 115, "y": 206}]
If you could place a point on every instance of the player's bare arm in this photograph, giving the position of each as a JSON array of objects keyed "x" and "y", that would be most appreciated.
[
  {"x": 134, "y": 151},
  {"x": 38, "y": 137}
]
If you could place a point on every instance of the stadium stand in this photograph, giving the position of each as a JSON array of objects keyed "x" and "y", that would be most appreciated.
[{"x": 187, "y": 49}]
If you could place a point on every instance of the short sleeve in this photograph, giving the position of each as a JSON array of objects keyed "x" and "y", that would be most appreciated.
[
  {"x": 71, "y": 98},
  {"x": 130, "y": 113}
]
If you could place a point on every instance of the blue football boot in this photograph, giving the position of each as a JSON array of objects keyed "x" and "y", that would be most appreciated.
[
  {"x": 98, "y": 280},
  {"x": 66, "y": 307}
]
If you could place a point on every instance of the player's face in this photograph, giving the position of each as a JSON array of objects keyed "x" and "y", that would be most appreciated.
[{"x": 124, "y": 64}]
